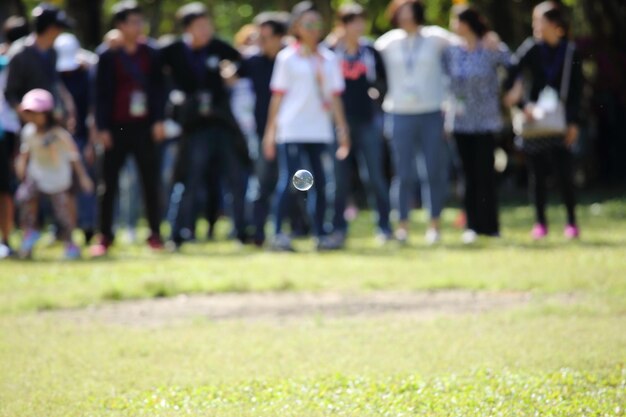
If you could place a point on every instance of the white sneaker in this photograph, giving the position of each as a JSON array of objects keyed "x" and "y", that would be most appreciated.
[
  {"x": 432, "y": 236},
  {"x": 4, "y": 251},
  {"x": 383, "y": 238},
  {"x": 469, "y": 236},
  {"x": 402, "y": 236}
]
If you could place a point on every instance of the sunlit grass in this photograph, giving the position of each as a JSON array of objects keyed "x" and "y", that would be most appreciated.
[
  {"x": 596, "y": 264},
  {"x": 549, "y": 357}
]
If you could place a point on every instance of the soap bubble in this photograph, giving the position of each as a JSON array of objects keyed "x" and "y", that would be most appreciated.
[{"x": 303, "y": 180}]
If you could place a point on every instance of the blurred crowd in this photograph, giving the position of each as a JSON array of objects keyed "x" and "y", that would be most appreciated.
[{"x": 189, "y": 126}]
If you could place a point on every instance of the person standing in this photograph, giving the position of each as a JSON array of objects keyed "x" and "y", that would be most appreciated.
[
  {"x": 75, "y": 66},
  {"x": 550, "y": 68},
  {"x": 366, "y": 82},
  {"x": 474, "y": 117},
  {"x": 48, "y": 158},
  {"x": 412, "y": 54},
  {"x": 6, "y": 192},
  {"x": 258, "y": 69},
  {"x": 13, "y": 29},
  {"x": 306, "y": 95},
  {"x": 210, "y": 132},
  {"x": 129, "y": 118},
  {"x": 33, "y": 62}
]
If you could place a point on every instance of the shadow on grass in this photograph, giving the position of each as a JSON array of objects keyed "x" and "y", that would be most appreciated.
[{"x": 392, "y": 249}]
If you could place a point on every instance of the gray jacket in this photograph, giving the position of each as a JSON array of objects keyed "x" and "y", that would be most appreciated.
[{"x": 30, "y": 68}]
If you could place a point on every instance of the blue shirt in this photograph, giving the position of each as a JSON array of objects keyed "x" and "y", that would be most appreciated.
[{"x": 475, "y": 87}]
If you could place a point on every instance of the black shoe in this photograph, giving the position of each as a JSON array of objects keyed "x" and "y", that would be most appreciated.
[
  {"x": 211, "y": 232},
  {"x": 89, "y": 234}
]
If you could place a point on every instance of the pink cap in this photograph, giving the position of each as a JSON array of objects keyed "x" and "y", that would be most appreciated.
[{"x": 38, "y": 101}]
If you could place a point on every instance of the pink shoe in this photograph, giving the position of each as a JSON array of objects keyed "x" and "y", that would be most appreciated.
[
  {"x": 101, "y": 249},
  {"x": 539, "y": 231},
  {"x": 572, "y": 232}
]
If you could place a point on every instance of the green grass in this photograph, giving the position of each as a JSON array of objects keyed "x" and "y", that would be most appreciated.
[
  {"x": 515, "y": 263},
  {"x": 547, "y": 358},
  {"x": 517, "y": 363}
]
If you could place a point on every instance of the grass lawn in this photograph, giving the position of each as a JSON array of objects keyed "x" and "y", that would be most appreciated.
[{"x": 547, "y": 357}]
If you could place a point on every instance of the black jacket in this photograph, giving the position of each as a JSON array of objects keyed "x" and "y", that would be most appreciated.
[
  {"x": 541, "y": 65},
  {"x": 105, "y": 87},
  {"x": 193, "y": 71}
]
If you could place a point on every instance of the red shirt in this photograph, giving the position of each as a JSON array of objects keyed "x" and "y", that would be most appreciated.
[{"x": 126, "y": 82}]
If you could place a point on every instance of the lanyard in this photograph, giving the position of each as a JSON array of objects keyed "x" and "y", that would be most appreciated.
[
  {"x": 197, "y": 60},
  {"x": 132, "y": 67},
  {"x": 412, "y": 50},
  {"x": 553, "y": 61}
]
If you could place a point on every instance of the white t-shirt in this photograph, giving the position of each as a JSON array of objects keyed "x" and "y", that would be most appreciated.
[
  {"x": 50, "y": 158},
  {"x": 308, "y": 84},
  {"x": 416, "y": 82}
]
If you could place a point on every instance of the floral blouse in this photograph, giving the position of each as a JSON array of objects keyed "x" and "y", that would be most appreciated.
[{"x": 474, "y": 88}]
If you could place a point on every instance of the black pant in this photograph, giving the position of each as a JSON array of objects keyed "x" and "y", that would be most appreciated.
[
  {"x": 136, "y": 140},
  {"x": 267, "y": 175},
  {"x": 541, "y": 160},
  {"x": 481, "y": 203},
  {"x": 7, "y": 146},
  {"x": 200, "y": 150}
]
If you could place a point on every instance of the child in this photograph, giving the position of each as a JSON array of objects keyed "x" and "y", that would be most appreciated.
[{"x": 48, "y": 158}]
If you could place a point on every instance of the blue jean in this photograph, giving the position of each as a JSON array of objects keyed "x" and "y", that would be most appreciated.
[
  {"x": 290, "y": 159},
  {"x": 87, "y": 202},
  {"x": 129, "y": 196},
  {"x": 198, "y": 153},
  {"x": 367, "y": 148},
  {"x": 418, "y": 147},
  {"x": 168, "y": 151}
]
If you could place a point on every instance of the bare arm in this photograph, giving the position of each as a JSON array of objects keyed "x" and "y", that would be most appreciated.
[
  {"x": 269, "y": 138},
  {"x": 85, "y": 182},
  {"x": 70, "y": 107},
  {"x": 77, "y": 165},
  {"x": 21, "y": 162},
  {"x": 343, "y": 135}
]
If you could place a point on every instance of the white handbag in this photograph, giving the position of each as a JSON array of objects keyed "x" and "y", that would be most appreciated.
[{"x": 549, "y": 112}]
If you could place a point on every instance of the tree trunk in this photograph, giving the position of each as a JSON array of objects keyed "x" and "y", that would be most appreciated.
[
  {"x": 156, "y": 14},
  {"x": 88, "y": 17}
]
